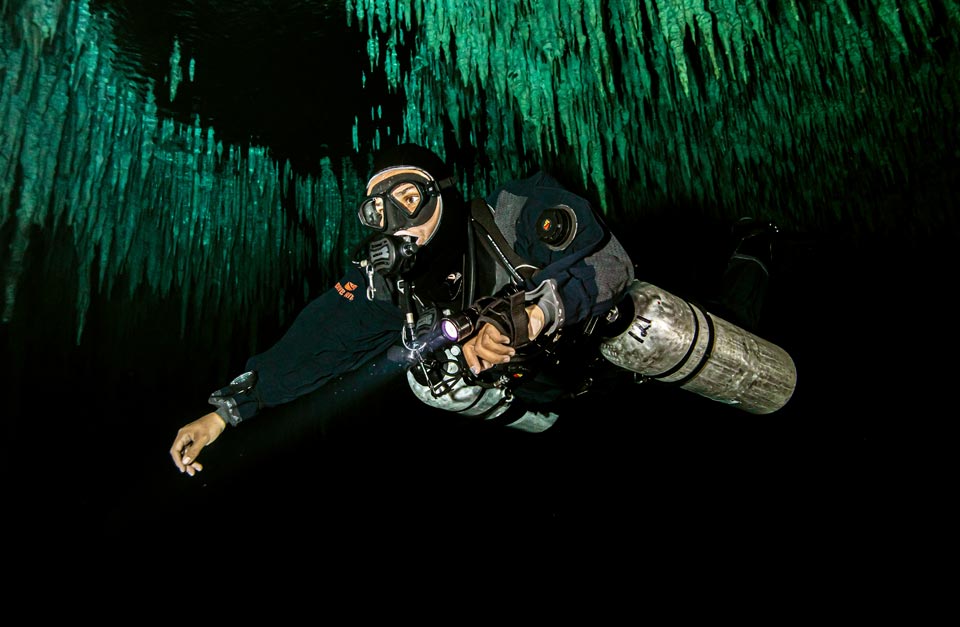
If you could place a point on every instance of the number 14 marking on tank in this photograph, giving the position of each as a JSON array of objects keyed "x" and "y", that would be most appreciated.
[{"x": 641, "y": 328}]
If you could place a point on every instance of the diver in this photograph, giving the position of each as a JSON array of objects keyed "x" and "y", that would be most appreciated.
[{"x": 496, "y": 308}]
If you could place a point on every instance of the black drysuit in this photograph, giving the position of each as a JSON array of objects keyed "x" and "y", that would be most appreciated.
[{"x": 360, "y": 317}]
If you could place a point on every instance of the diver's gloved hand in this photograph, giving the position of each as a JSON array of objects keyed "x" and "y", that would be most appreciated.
[
  {"x": 191, "y": 438},
  {"x": 488, "y": 346}
]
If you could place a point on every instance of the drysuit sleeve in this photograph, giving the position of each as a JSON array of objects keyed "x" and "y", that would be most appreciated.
[
  {"x": 336, "y": 333},
  {"x": 590, "y": 269}
]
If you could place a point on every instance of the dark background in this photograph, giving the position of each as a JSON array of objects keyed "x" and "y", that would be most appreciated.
[
  {"x": 644, "y": 470},
  {"x": 362, "y": 459}
]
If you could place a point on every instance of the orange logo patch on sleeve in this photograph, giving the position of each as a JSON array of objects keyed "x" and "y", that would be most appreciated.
[{"x": 349, "y": 295}]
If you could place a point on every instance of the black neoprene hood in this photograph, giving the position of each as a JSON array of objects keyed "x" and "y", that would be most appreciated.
[{"x": 412, "y": 155}]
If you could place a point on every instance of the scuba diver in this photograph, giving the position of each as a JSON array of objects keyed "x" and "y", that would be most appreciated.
[{"x": 495, "y": 308}]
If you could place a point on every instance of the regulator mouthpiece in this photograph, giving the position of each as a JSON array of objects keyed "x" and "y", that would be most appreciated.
[{"x": 390, "y": 255}]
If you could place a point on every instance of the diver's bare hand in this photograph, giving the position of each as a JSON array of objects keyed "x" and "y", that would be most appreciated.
[
  {"x": 489, "y": 347},
  {"x": 191, "y": 438},
  {"x": 486, "y": 348}
]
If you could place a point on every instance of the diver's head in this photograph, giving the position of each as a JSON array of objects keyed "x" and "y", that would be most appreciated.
[{"x": 404, "y": 193}]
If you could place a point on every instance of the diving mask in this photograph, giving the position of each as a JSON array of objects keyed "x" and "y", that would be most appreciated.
[{"x": 404, "y": 197}]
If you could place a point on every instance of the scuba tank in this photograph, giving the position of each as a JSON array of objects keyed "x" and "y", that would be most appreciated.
[{"x": 666, "y": 338}]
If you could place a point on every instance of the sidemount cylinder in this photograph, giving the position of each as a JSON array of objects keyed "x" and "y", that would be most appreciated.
[{"x": 671, "y": 340}]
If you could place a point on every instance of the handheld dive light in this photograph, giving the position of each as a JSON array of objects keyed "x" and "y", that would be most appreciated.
[{"x": 507, "y": 313}]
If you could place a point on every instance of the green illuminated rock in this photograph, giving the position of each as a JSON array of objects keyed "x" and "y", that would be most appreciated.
[{"x": 797, "y": 111}]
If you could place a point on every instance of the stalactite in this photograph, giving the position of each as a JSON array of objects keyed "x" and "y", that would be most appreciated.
[
  {"x": 156, "y": 201},
  {"x": 795, "y": 82},
  {"x": 176, "y": 74},
  {"x": 741, "y": 106}
]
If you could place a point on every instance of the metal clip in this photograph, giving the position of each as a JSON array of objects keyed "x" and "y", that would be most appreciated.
[{"x": 371, "y": 290}]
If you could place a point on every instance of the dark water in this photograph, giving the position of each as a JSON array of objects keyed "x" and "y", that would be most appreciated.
[
  {"x": 641, "y": 470},
  {"x": 90, "y": 426},
  {"x": 291, "y": 75}
]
